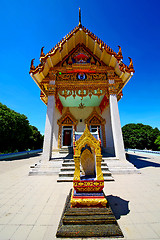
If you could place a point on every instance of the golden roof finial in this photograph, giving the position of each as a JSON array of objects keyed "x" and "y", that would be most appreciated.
[
  {"x": 130, "y": 67},
  {"x": 80, "y": 24},
  {"x": 42, "y": 53},
  {"x": 119, "y": 54},
  {"x": 32, "y": 67}
]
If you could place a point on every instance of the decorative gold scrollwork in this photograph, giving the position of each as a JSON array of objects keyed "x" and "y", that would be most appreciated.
[
  {"x": 65, "y": 93},
  {"x": 95, "y": 119},
  {"x": 49, "y": 89},
  {"x": 82, "y": 93}
]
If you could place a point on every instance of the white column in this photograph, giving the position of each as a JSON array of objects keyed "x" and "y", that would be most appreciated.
[
  {"x": 109, "y": 134},
  {"x": 116, "y": 128},
  {"x": 47, "y": 145},
  {"x": 57, "y": 115}
]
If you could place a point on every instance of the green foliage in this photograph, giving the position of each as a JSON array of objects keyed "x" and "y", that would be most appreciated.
[
  {"x": 140, "y": 136},
  {"x": 16, "y": 134},
  {"x": 36, "y": 139},
  {"x": 157, "y": 142}
]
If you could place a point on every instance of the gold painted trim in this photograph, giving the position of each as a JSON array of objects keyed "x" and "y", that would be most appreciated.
[{"x": 101, "y": 123}]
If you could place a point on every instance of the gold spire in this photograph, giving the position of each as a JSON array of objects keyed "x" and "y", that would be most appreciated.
[{"x": 79, "y": 18}]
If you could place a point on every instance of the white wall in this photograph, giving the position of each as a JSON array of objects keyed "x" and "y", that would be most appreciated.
[
  {"x": 81, "y": 114},
  {"x": 57, "y": 115},
  {"x": 108, "y": 131}
]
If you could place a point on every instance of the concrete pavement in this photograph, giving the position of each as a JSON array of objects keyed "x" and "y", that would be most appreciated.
[{"x": 31, "y": 206}]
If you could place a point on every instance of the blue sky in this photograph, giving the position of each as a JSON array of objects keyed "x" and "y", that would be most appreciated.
[{"x": 26, "y": 26}]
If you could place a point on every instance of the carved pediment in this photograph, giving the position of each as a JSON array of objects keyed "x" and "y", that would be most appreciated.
[
  {"x": 95, "y": 120},
  {"x": 67, "y": 120},
  {"x": 80, "y": 56}
]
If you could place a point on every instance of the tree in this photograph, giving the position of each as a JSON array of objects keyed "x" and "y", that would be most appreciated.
[
  {"x": 157, "y": 142},
  {"x": 140, "y": 136},
  {"x": 15, "y": 131},
  {"x": 36, "y": 139}
]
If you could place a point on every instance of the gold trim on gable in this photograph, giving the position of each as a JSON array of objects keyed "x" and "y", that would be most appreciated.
[{"x": 95, "y": 119}]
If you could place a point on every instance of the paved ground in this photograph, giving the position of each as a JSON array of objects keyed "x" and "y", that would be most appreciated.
[{"x": 31, "y": 206}]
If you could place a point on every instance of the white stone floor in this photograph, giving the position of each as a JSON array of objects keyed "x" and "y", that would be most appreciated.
[{"x": 31, "y": 206}]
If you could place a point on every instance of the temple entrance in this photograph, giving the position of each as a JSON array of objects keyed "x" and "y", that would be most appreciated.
[{"x": 67, "y": 136}]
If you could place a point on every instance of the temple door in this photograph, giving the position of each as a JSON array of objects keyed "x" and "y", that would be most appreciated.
[{"x": 67, "y": 137}]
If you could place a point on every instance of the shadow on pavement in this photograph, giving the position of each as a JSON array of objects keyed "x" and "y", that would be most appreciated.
[
  {"x": 21, "y": 157},
  {"x": 138, "y": 161},
  {"x": 118, "y": 205}
]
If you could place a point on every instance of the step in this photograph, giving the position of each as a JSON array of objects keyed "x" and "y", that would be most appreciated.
[
  {"x": 88, "y": 211},
  {"x": 108, "y": 178},
  {"x": 68, "y": 164},
  {"x": 68, "y": 161},
  {"x": 87, "y": 220},
  {"x": 72, "y": 168},
  {"x": 105, "y": 168},
  {"x": 70, "y": 179},
  {"x": 65, "y": 179},
  {"x": 66, "y": 174},
  {"x": 66, "y": 150},
  {"x": 71, "y": 163},
  {"x": 109, "y": 230},
  {"x": 106, "y": 174},
  {"x": 67, "y": 169}
]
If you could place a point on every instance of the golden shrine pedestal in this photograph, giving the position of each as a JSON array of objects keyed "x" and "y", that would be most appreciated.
[{"x": 88, "y": 191}]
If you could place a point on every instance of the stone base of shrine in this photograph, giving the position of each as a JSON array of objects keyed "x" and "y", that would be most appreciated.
[
  {"x": 86, "y": 199},
  {"x": 87, "y": 222}
]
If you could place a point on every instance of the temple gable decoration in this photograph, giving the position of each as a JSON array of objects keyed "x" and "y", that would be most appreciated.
[
  {"x": 81, "y": 52},
  {"x": 95, "y": 119}
]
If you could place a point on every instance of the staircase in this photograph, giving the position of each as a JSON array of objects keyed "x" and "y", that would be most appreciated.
[
  {"x": 66, "y": 150},
  {"x": 67, "y": 171},
  {"x": 88, "y": 222}
]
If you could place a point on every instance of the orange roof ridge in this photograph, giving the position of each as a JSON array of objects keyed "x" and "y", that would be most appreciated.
[{"x": 59, "y": 45}]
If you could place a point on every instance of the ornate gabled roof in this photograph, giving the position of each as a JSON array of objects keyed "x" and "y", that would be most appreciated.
[
  {"x": 80, "y": 55},
  {"x": 80, "y": 34}
]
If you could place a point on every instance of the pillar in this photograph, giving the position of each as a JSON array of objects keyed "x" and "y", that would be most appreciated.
[
  {"x": 116, "y": 128},
  {"x": 98, "y": 167},
  {"x": 77, "y": 167},
  {"x": 48, "y": 136},
  {"x": 109, "y": 135}
]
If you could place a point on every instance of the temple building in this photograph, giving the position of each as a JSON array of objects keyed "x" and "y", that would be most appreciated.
[{"x": 81, "y": 81}]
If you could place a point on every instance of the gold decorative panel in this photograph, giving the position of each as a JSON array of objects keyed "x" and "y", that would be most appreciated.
[{"x": 95, "y": 119}]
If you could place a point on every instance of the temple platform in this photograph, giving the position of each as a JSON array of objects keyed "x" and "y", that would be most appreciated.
[{"x": 63, "y": 164}]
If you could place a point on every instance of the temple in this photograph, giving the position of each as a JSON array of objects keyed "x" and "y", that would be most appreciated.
[{"x": 81, "y": 81}]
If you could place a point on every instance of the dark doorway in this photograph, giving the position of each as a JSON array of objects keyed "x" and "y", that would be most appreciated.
[{"x": 67, "y": 137}]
